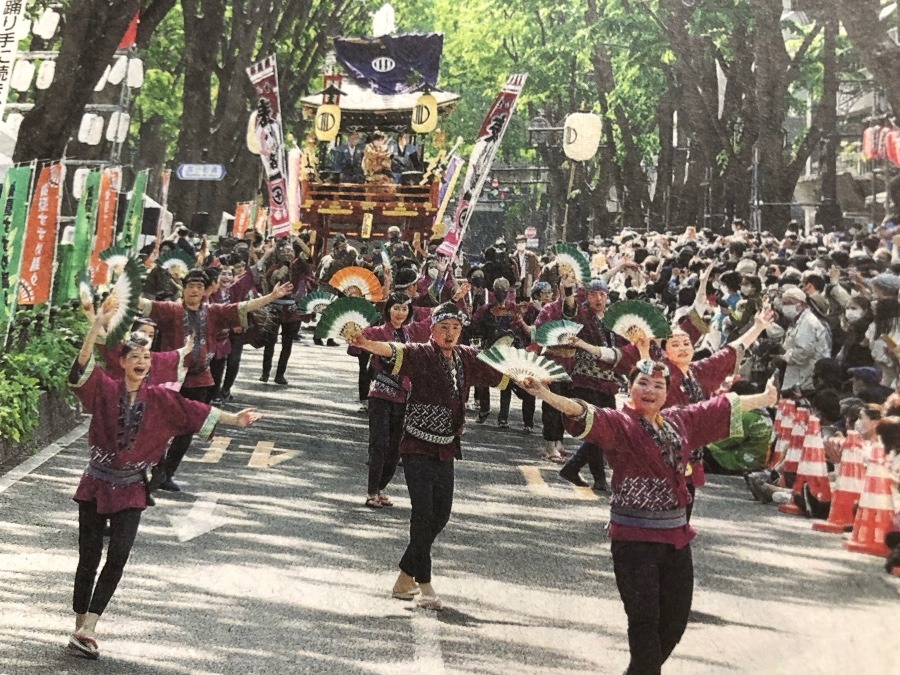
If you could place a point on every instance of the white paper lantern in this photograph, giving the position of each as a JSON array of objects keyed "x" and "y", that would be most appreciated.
[
  {"x": 78, "y": 181},
  {"x": 68, "y": 235},
  {"x": 23, "y": 28},
  {"x": 22, "y": 74},
  {"x": 118, "y": 71},
  {"x": 96, "y": 133},
  {"x": 102, "y": 81},
  {"x": 252, "y": 139},
  {"x": 13, "y": 122},
  {"x": 45, "y": 74},
  {"x": 581, "y": 136},
  {"x": 135, "y": 78},
  {"x": 117, "y": 130},
  {"x": 84, "y": 129},
  {"x": 46, "y": 26}
]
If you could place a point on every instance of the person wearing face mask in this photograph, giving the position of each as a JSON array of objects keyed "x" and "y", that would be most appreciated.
[
  {"x": 855, "y": 351},
  {"x": 806, "y": 341},
  {"x": 750, "y": 303},
  {"x": 526, "y": 268},
  {"x": 884, "y": 332}
]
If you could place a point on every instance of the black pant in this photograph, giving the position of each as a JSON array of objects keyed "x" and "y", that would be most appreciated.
[
  {"x": 528, "y": 404},
  {"x": 217, "y": 370},
  {"x": 180, "y": 444},
  {"x": 590, "y": 453},
  {"x": 365, "y": 379},
  {"x": 656, "y": 584},
  {"x": 430, "y": 484},
  {"x": 483, "y": 396},
  {"x": 551, "y": 418},
  {"x": 123, "y": 527},
  {"x": 385, "y": 430},
  {"x": 233, "y": 361},
  {"x": 289, "y": 333}
]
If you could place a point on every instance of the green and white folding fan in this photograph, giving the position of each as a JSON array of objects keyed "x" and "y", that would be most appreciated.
[
  {"x": 556, "y": 333},
  {"x": 123, "y": 301},
  {"x": 519, "y": 364},
  {"x": 630, "y": 317},
  {"x": 566, "y": 254},
  {"x": 85, "y": 291},
  {"x": 346, "y": 317},
  {"x": 116, "y": 257},
  {"x": 315, "y": 302},
  {"x": 177, "y": 260},
  {"x": 355, "y": 281}
]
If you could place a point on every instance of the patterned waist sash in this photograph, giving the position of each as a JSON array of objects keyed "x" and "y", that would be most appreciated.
[
  {"x": 114, "y": 476},
  {"x": 652, "y": 520}
]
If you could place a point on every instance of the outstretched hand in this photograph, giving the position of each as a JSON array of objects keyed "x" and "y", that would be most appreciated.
[
  {"x": 248, "y": 416},
  {"x": 765, "y": 317},
  {"x": 533, "y": 386},
  {"x": 771, "y": 392},
  {"x": 282, "y": 290}
]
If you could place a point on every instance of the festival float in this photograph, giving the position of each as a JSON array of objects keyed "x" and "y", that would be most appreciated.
[{"x": 389, "y": 87}]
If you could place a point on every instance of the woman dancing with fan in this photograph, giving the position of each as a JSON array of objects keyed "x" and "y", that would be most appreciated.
[
  {"x": 648, "y": 448},
  {"x": 132, "y": 423},
  {"x": 440, "y": 373},
  {"x": 387, "y": 397}
]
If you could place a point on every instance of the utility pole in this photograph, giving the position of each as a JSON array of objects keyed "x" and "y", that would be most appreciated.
[{"x": 829, "y": 213}]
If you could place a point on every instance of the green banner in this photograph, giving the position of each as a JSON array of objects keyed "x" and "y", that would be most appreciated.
[
  {"x": 131, "y": 230},
  {"x": 66, "y": 289},
  {"x": 85, "y": 225},
  {"x": 14, "y": 202}
]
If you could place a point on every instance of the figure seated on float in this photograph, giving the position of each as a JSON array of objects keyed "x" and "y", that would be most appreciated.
[{"x": 376, "y": 161}]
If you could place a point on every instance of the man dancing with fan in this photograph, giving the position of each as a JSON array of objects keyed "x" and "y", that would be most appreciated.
[
  {"x": 440, "y": 373},
  {"x": 648, "y": 448},
  {"x": 595, "y": 379},
  {"x": 132, "y": 422},
  {"x": 195, "y": 317}
]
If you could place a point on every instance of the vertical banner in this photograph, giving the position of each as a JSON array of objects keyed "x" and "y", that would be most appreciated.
[
  {"x": 489, "y": 137},
  {"x": 11, "y": 16},
  {"x": 448, "y": 185},
  {"x": 264, "y": 77},
  {"x": 241, "y": 219},
  {"x": 83, "y": 235},
  {"x": 107, "y": 208},
  {"x": 130, "y": 236},
  {"x": 14, "y": 202},
  {"x": 164, "y": 182},
  {"x": 262, "y": 221},
  {"x": 39, "y": 251},
  {"x": 295, "y": 172}
]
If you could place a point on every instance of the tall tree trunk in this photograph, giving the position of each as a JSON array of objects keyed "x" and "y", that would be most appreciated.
[
  {"x": 829, "y": 212},
  {"x": 90, "y": 35}
]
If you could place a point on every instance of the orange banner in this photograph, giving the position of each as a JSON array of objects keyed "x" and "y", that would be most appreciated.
[
  {"x": 241, "y": 219},
  {"x": 110, "y": 181},
  {"x": 262, "y": 221},
  {"x": 39, "y": 250}
]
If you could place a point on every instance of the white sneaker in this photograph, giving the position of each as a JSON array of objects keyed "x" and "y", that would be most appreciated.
[{"x": 782, "y": 497}]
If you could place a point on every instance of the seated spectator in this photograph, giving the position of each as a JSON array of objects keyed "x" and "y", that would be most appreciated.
[{"x": 866, "y": 384}]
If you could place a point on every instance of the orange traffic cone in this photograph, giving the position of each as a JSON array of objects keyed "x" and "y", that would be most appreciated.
[
  {"x": 876, "y": 510},
  {"x": 811, "y": 471},
  {"x": 794, "y": 451},
  {"x": 781, "y": 431},
  {"x": 848, "y": 488}
]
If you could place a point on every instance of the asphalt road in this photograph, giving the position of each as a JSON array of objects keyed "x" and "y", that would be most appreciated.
[{"x": 268, "y": 562}]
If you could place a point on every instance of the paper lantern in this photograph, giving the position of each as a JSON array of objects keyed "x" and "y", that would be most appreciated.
[
  {"x": 581, "y": 136},
  {"x": 13, "y": 122},
  {"x": 117, "y": 131},
  {"x": 84, "y": 129},
  {"x": 23, "y": 28},
  {"x": 45, "y": 74},
  {"x": 328, "y": 122},
  {"x": 78, "y": 181},
  {"x": 135, "y": 78},
  {"x": 45, "y": 27},
  {"x": 102, "y": 81},
  {"x": 118, "y": 70},
  {"x": 22, "y": 73},
  {"x": 252, "y": 139},
  {"x": 425, "y": 114}
]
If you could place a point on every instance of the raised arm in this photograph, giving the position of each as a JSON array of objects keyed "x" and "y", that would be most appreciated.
[
  {"x": 97, "y": 327},
  {"x": 383, "y": 349},
  {"x": 280, "y": 291},
  {"x": 761, "y": 322},
  {"x": 764, "y": 400},
  {"x": 567, "y": 406},
  {"x": 244, "y": 418}
]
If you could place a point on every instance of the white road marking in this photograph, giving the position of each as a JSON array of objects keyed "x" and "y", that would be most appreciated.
[
  {"x": 215, "y": 451},
  {"x": 47, "y": 453},
  {"x": 199, "y": 520},
  {"x": 263, "y": 457}
]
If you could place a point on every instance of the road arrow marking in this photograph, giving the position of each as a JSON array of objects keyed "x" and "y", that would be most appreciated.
[
  {"x": 198, "y": 521},
  {"x": 215, "y": 451},
  {"x": 262, "y": 457}
]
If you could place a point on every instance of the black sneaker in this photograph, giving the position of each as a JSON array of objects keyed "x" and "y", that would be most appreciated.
[
  {"x": 599, "y": 487},
  {"x": 503, "y": 424},
  {"x": 264, "y": 377},
  {"x": 482, "y": 417},
  {"x": 571, "y": 474},
  {"x": 279, "y": 379},
  {"x": 169, "y": 485}
]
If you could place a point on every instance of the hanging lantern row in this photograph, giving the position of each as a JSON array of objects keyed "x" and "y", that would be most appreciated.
[
  {"x": 90, "y": 131},
  {"x": 79, "y": 180},
  {"x": 129, "y": 70},
  {"x": 882, "y": 142}
]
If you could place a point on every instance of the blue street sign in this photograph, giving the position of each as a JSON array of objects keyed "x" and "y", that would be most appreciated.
[{"x": 200, "y": 171}]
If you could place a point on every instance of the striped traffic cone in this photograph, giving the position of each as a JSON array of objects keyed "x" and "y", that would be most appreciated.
[
  {"x": 794, "y": 452},
  {"x": 811, "y": 470},
  {"x": 784, "y": 422},
  {"x": 848, "y": 488},
  {"x": 876, "y": 510}
]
